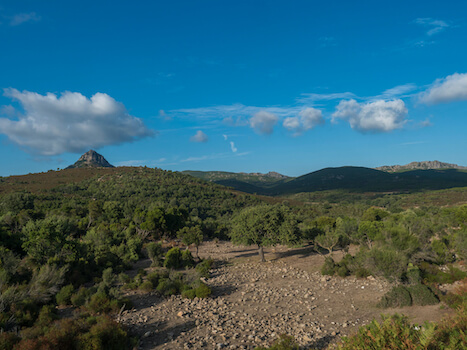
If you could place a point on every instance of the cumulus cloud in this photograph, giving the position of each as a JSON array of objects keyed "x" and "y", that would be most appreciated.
[
  {"x": 307, "y": 119},
  {"x": 50, "y": 125},
  {"x": 452, "y": 88},
  {"x": 199, "y": 137},
  {"x": 263, "y": 122},
  {"x": 377, "y": 116},
  {"x": 435, "y": 25},
  {"x": 23, "y": 18},
  {"x": 232, "y": 147}
]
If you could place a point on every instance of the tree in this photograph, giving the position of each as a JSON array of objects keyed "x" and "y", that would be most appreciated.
[
  {"x": 327, "y": 241},
  {"x": 191, "y": 235},
  {"x": 264, "y": 226}
]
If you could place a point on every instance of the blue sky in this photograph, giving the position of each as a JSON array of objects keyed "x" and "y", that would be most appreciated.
[{"x": 252, "y": 86}]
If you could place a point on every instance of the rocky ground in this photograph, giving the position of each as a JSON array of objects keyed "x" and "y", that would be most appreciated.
[{"x": 253, "y": 303}]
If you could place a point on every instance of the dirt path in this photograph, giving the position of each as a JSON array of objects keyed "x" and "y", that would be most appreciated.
[{"x": 254, "y": 302}]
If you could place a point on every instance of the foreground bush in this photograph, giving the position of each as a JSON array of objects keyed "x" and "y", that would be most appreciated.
[
  {"x": 93, "y": 333},
  {"x": 396, "y": 333},
  {"x": 400, "y": 296},
  {"x": 397, "y": 297}
]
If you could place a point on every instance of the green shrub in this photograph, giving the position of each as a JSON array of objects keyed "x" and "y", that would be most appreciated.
[
  {"x": 63, "y": 297},
  {"x": 189, "y": 294},
  {"x": 329, "y": 266},
  {"x": 105, "y": 334},
  {"x": 146, "y": 286},
  {"x": 413, "y": 274},
  {"x": 8, "y": 340},
  {"x": 422, "y": 295},
  {"x": 432, "y": 274},
  {"x": 343, "y": 271},
  {"x": 388, "y": 263},
  {"x": 204, "y": 266},
  {"x": 154, "y": 251},
  {"x": 394, "y": 332},
  {"x": 101, "y": 302},
  {"x": 166, "y": 287},
  {"x": 173, "y": 259},
  {"x": 123, "y": 277},
  {"x": 397, "y": 297},
  {"x": 362, "y": 273},
  {"x": 80, "y": 297},
  {"x": 203, "y": 291},
  {"x": 187, "y": 259}
]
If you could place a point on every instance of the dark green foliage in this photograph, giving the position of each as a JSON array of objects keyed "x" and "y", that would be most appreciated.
[
  {"x": 146, "y": 286},
  {"x": 189, "y": 294},
  {"x": 389, "y": 263},
  {"x": 8, "y": 340},
  {"x": 343, "y": 271},
  {"x": 203, "y": 267},
  {"x": 187, "y": 259},
  {"x": 202, "y": 290},
  {"x": 191, "y": 235},
  {"x": 173, "y": 259},
  {"x": 102, "y": 302},
  {"x": 397, "y": 297},
  {"x": 167, "y": 287},
  {"x": 422, "y": 295},
  {"x": 285, "y": 342},
  {"x": 80, "y": 297},
  {"x": 414, "y": 275},
  {"x": 264, "y": 226},
  {"x": 433, "y": 274},
  {"x": 63, "y": 297},
  {"x": 329, "y": 267},
  {"x": 154, "y": 251},
  {"x": 395, "y": 332}
]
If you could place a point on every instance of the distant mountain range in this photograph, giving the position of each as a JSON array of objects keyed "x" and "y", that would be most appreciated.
[
  {"x": 426, "y": 165},
  {"x": 416, "y": 176},
  {"x": 398, "y": 178}
]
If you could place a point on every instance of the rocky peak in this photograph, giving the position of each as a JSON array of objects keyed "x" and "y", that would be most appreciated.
[{"x": 91, "y": 159}]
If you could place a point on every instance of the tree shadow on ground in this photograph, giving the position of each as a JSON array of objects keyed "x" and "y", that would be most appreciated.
[
  {"x": 302, "y": 253},
  {"x": 164, "y": 334},
  {"x": 321, "y": 343}
]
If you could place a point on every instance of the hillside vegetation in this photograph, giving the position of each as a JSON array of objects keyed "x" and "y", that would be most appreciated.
[
  {"x": 67, "y": 238},
  {"x": 355, "y": 179}
]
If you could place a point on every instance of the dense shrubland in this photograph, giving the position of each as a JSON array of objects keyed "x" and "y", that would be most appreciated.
[{"x": 70, "y": 245}]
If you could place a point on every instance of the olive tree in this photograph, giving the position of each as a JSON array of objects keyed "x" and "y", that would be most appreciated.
[{"x": 263, "y": 226}]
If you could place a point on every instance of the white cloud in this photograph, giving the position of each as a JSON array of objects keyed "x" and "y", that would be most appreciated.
[
  {"x": 311, "y": 97},
  {"x": 307, "y": 119},
  {"x": 199, "y": 137},
  {"x": 23, "y": 18},
  {"x": 225, "y": 137},
  {"x": 377, "y": 116},
  {"x": 452, "y": 88},
  {"x": 398, "y": 91},
  {"x": 52, "y": 125},
  {"x": 435, "y": 25},
  {"x": 263, "y": 122},
  {"x": 232, "y": 147}
]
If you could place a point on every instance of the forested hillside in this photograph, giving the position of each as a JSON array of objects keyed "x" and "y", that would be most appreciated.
[{"x": 67, "y": 238}]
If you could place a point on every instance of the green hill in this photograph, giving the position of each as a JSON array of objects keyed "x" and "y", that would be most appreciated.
[{"x": 356, "y": 179}]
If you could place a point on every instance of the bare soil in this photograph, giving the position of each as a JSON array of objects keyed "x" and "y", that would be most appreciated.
[{"x": 253, "y": 303}]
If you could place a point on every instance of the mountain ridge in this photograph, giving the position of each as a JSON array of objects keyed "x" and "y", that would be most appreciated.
[{"x": 423, "y": 165}]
